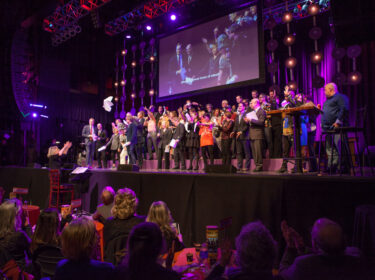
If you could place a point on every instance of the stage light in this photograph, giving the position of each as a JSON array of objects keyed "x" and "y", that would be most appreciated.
[
  {"x": 290, "y": 62},
  {"x": 148, "y": 27},
  {"x": 287, "y": 17},
  {"x": 313, "y": 9},
  {"x": 354, "y": 78},
  {"x": 134, "y": 64},
  {"x": 50, "y": 25},
  {"x": 316, "y": 57},
  {"x": 133, "y": 95},
  {"x": 116, "y": 84},
  {"x": 292, "y": 85},
  {"x": 124, "y": 52},
  {"x": 152, "y": 58},
  {"x": 151, "y": 92},
  {"x": 289, "y": 39},
  {"x": 128, "y": 36},
  {"x": 123, "y": 82},
  {"x": 34, "y": 115},
  {"x": 173, "y": 17},
  {"x": 44, "y": 116},
  {"x": 116, "y": 99}
]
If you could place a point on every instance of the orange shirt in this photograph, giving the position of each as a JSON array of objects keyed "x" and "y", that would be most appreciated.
[{"x": 207, "y": 138}]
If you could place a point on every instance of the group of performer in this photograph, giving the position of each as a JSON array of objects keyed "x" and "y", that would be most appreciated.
[{"x": 244, "y": 130}]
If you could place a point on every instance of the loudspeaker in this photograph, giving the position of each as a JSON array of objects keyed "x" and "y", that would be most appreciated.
[
  {"x": 220, "y": 168},
  {"x": 128, "y": 167},
  {"x": 353, "y": 21}
]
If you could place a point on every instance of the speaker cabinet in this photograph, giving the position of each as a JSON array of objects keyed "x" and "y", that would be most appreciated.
[
  {"x": 220, "y": 168},
  {"x": 128, "y": 167}
]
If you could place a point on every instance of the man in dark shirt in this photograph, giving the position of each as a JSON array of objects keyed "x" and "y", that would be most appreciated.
[{"x": 335, "y": 115}]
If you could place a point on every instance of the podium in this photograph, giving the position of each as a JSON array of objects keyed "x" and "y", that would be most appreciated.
[{"x": 295, "y": 112}]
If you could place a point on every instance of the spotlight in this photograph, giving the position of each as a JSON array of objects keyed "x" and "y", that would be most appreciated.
[
  {"x": 290, "y": 62},
  {"x": 151, "y": 92},
  {"x": 152, "y": 58},
  {"x": 50, "y": 25},
  {"x": 313, "y": 9},
  {"x": 289, "y": 39},
  {"x": 116, "y": 99},
  {"x": 128, "y": 36},
  {"x": 34, "y": 115},
  {"x": 116, "y": 84},
  {"x": 123, "y": 82},
  {"x": 292, "y": 85},
  {"x": 354, "y": 78},
  {"x": 148, "y": 27},
  {"x": 124, "y": 52},
  {"x": 287, "y": 17},
  {"x": 133, "y": 95},
  {"x": 316, "y": 57},
  {"x": 134, "y": 63},
  {"x": 173, "y": 17}
]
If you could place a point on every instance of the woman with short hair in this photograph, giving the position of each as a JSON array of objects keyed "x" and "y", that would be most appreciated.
[
  {"x": 117, "y": 228},
  {"x": 79, "y": 240}
]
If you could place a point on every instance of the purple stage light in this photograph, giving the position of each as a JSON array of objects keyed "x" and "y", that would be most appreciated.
[
  {"x": 128, "y": 36},
  {"x": 34, "y": 115},
  {"x": 173, "y": 17},
  {"x": 148, "y": 27}
]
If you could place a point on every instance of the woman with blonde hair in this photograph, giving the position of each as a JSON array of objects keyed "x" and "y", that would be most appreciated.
[
  {"x": 79, "y": 240},
  {"x": 117, "y": 228},
  {"x": 160, "y": 214}
]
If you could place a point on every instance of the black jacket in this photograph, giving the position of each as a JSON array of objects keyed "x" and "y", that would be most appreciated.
[
  {"x": 165, "y": 138},
  {"x": 241, "y": 125}
]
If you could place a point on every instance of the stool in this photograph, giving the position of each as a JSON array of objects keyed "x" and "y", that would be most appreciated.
[
  {"x": 364, "y": 230},
  {"x": 33, "y": 212},
  {"x": 57, "y": 188}
]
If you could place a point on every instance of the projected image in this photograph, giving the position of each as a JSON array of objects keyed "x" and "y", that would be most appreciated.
[{"x": 221, "y": 52}]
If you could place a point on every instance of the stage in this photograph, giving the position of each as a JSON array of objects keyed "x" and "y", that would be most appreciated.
[{"x": 197, "y": 199}]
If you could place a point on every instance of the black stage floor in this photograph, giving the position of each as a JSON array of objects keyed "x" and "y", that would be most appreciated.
[{"x": 198, "y": 199}]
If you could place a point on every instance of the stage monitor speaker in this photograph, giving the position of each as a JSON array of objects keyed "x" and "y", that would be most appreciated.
[
  {"x": 220, "y": 168},
  {"x": 128, "y": 167},
  {"x": 353, "y": 21}
]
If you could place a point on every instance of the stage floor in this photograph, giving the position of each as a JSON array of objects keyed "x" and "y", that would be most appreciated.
[{"x": 197, "y": 199}]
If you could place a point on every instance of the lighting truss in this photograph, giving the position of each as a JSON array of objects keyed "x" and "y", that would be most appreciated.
[
  {"x": 150, "y": 10},
  {"x": 68, "y": 14}
]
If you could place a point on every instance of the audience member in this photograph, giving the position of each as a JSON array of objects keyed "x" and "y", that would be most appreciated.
[
  {"x": 145, "y": 245},
  {"x": 13, "y": 240},
  {"x": 255, "y": 256},
  {"x": 103, "y": 211},
  {"x": 79, "y": 240},
  {"x": 47, "y": 230},
  {"x": 117, "y": 228},
  {"x": 328, "y": 259},
  {"x": 160, "y": 214}
]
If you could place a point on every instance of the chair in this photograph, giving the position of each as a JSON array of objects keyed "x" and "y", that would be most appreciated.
[
  {"x": 359, "y": 127},
  {"x": 57, "y": 188},
  {"x": 45, "y": 260}
]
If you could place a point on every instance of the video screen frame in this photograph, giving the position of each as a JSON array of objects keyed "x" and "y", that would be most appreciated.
[{"x": 261, "y": 55}]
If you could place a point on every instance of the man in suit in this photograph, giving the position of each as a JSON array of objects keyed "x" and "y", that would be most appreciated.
[
  {"x": 257, "y": 133},
  {"x": 241, "y": 134},
  {"x": 100, "y": 142},
  {"x": 179, "y": 137},
  {"x": 131, "y": 136},
  {"x": 176, "y": 68},
  {"x": 89, "y": 133},
  {"x": 328, "y": 259}
]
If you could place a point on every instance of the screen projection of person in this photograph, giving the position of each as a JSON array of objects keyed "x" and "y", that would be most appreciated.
[{"x": 220, "y": 52}]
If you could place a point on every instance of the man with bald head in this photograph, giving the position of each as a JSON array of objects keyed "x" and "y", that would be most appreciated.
[
  {"x": 335, "y": 115},
  {"x": 328, "y": 260}
]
